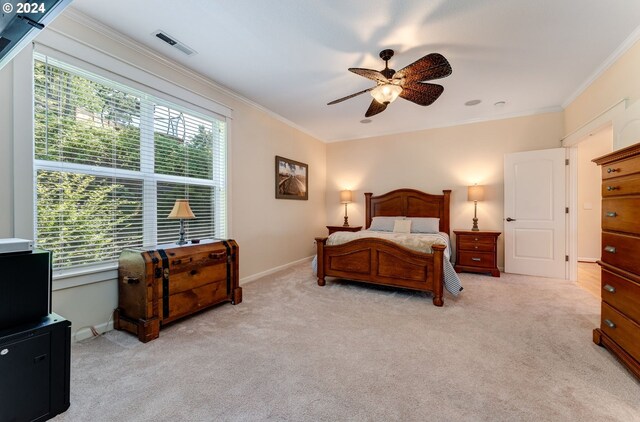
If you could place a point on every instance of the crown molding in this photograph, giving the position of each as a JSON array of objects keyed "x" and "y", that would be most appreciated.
[
  {"x": 618, "y": 52},
  {"x": 110, "y": 33}
]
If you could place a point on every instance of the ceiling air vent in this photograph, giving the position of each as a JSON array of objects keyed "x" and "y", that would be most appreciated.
[{"x": 174, "y": 43}]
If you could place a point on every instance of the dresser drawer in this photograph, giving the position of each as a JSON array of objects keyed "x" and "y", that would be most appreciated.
[
  {"x": 621, "y": 168},
  {"x": 628, "y": 185},
  {"x": 476, "y": 259},
  {"x": 185, "y": 259},
  {"x": 622, "y": 294},
  {"x": 621, "y": 251},
  {"x": 621, "y": 330},
  {"x": 621, "y": 214}
]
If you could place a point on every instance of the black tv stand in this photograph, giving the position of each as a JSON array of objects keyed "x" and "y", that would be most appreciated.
[{"x": 34, "y": 368}]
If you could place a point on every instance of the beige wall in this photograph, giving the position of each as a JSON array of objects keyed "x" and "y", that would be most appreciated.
[
  {"x": 270, "y": 232},
  {"x": 619, "y": 81},
  {"x": 589, "y": 196},
  {"x": 437, "y": 159}
]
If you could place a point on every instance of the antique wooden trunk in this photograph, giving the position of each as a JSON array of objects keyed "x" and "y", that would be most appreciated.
[{"x": 157, "y": 286}]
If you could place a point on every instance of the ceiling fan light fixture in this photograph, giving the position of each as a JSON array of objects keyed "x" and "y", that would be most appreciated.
[{"x": 386, "y": 93}]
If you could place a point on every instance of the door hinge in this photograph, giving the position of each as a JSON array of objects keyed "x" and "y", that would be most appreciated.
[
  {"x": 566, "y": 210},
  {"x": 566, "y": 161},
  {"x": 566, "y": 258}
]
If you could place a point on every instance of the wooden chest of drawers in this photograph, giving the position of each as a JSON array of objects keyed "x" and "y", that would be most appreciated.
[
  {"x": 619, "y": 328},
  {"x": 157, "y": 286},
  {"x": 476, "y": 251}
]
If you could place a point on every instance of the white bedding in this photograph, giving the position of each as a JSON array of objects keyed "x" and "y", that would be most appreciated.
[{"x": 420, "y": 242}]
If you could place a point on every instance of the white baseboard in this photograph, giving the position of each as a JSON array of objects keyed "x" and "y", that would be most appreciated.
[
  {"x": 587, "y": 259},
  {"x": 273, "y": 270},
  {"x": 85, "y": 332}
]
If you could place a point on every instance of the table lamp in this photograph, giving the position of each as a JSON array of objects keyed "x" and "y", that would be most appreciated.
[
  {"x": 345, "y": 198},
  {"x": 181, "y": 210},
  {"x": 475, "y": 193}
]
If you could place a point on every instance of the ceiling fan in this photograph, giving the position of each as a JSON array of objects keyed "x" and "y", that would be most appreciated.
[{"x": 408, "y": 83}]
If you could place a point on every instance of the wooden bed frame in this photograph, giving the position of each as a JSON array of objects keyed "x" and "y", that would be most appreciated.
[{"x": 380, "y": 261}]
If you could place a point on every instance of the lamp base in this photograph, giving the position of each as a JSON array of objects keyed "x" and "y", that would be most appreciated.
[{"x": 346, "y": 219}]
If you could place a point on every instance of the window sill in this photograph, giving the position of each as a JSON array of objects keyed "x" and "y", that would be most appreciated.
[{"x": 66, "y": 279}]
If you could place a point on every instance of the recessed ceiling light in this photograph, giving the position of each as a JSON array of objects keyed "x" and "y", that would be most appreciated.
[
  {"x": 472, "y": 102},
  {"x": 500, "y": 103},
  {"x": 365, "y": 121}
]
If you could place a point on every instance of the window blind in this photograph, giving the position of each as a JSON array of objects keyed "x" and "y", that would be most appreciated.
[{"x": 110, "y": 161}]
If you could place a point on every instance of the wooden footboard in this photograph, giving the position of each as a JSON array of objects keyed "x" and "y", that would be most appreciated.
[{"x": 380, "y": 261}]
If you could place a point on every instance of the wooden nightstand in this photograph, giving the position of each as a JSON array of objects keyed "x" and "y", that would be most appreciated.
[
  {"x": 333, "y": 229},
  {"x": 477, "y": 251}
]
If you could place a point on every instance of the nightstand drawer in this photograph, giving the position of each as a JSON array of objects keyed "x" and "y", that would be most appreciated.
[
  {"x": 467, "y": 245},
  {"x": 479, "y": 238},
  {"x": 477, "y": 259}
]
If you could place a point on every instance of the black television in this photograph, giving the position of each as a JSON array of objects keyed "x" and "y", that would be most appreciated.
[{"x": 20, "y": 21}]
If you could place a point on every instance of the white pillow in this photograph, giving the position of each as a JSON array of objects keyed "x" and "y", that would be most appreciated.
[
  {"x": 424, "y": 225},
  {"x": 383, "y": 224},
  {"x": 402, "y": 226}
]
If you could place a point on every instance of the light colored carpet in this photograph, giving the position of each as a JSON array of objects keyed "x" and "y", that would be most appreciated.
[{"x": 513, "y": 348}]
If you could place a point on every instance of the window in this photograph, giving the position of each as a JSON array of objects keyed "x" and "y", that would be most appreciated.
[{"x": 110, "y": 161}]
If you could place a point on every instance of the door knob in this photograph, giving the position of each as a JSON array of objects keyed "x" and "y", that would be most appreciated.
[{"x": 511, "y": 219}]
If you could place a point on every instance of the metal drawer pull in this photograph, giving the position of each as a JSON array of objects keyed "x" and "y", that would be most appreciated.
[
  {"x": 611, "y": 214},
  {"x": 609, "y": 288},
  {"x": 610, "y": 170},
  {"x": 475, "y": 259},
  {"x": 610, "y": 188},
  {"x": 610, "y": 249},
  {"x": 609, "y": 323}
]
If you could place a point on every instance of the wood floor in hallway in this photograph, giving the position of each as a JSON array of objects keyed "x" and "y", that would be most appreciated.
[{"x": 589, "y": 277}]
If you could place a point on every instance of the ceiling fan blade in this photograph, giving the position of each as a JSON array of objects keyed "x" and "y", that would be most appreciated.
[
  {"x": 374, "y": 75},
  {"x": 375, "y": 108},
  {"x": 339, "y": 100},
  {"x": 421, "y": 93},
  {"x": 431, "y": 66}
]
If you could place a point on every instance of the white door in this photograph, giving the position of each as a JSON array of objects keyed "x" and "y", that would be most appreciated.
[{"x": 534, "y": 212}]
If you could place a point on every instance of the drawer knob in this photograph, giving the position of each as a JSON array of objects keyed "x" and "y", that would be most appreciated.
[
  {"x": 609, "y": 288},
  {"x": 476, "y": 239},
  {"x": 610, "y": 249},
  {"x": 610, "y": 188},
  {"x": 611, "y": 214},
  {"x": 611, "y": 170},
  {"x": 475, "y": 259},
  {"x": 476, "y": 247},
  {"x": 609, "y": 323}
]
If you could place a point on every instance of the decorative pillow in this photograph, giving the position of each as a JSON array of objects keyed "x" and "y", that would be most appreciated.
[
  {"x": 424, "y": 225},
  {"x": 402, "y": 226},
  {"x": 383, "y": 224}
]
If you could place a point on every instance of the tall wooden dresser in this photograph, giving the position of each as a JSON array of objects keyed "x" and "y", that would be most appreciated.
[{"x": 619, "y": 328}]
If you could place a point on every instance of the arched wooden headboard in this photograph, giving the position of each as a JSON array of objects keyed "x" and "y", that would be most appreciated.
[{"x": 409, "y": 203}]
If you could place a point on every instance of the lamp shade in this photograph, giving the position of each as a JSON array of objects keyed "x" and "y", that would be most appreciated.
[
  {"x": 345, "y": 196},
  {"x": 181, "y": 209},
  {"x": 386, "y": 93},
  {"x": 475, "y": 193}
]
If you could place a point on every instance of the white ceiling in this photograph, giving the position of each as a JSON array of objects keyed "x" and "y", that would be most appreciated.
[{"x": 291, "y": 56}]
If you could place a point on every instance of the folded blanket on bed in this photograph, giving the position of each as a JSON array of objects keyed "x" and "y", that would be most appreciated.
[{"x": 420, "y": 242}]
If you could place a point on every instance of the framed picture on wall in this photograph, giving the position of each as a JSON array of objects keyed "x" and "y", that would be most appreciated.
[{"x": 292, "y": 179}]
